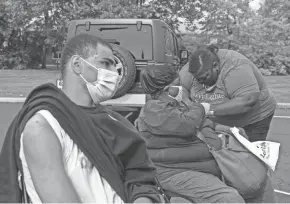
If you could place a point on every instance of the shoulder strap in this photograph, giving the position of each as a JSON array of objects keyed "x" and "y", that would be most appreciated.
[{"x": 25, "y": 197}]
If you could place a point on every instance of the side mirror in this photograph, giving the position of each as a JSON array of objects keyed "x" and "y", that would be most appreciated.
[{"x": 184, "y": 55}]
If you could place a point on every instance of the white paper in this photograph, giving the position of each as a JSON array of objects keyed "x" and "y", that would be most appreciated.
[{"x": 266, "y": 151}]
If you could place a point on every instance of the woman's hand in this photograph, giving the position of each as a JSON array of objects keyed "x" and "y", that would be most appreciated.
[
  {"x": 185, "y": 97},
  {"x": 143, "y": 200}
]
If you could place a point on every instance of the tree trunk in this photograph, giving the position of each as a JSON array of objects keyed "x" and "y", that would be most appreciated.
[
  {"x": 140, "y": 2},
  {"x": 43, "y": 57},
  {"x": 44, "y": 49},
  {"x": 25, "y": 40}
]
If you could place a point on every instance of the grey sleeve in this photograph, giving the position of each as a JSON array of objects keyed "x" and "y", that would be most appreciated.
[{"x": 240, "y": 80}]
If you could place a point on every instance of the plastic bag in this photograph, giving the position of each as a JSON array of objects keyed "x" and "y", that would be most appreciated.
[{"x": 266, "y": 151}]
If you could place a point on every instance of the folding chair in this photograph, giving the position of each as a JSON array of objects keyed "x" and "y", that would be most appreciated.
[
  {"x": 24, "y": 195},
  {"x": 162, "y": 192},
  {"x": 166, "y": 195}
]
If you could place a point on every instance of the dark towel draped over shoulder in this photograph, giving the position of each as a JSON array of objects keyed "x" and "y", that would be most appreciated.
[{"x": 111, "y": 143}]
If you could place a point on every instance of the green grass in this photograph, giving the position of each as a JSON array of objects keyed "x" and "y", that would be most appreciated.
[{"x": 18, "y": 83}]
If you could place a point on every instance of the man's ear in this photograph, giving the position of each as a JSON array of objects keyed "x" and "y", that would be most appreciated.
[
  {"x": 213, "y": 48},
  {"x": 76, "y": 64}
]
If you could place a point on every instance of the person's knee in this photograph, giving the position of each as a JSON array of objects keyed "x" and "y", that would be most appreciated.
[
  {"x": 222, "y": 195},
  {"x": 230, "y": 197},
  {"x": 233, "y": 197}
]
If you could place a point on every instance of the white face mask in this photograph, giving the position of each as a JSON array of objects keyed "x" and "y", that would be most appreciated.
[
  {"x": 178, "y": 97},
  {"x": 104, "y": 87}
]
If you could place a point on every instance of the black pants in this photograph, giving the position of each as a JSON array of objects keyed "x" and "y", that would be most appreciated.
[{"x": 258, "y": 131}]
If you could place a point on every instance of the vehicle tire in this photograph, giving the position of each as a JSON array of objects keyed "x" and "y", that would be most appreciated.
[{"x": 126, "y": 68}]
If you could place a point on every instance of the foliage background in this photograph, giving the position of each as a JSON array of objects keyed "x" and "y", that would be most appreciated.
[{"x": 30, "y": 29}]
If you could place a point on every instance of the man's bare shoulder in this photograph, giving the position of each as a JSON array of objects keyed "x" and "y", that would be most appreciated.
[
  {"x": 39, "y": 138},
  {"x": 43, "y": 154},
  {"x": 35, "y": 123}
]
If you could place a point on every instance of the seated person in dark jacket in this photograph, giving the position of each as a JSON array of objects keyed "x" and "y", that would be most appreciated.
[
  {"x": 169, "y": 122},
  {"x": 71, "y": 149}
]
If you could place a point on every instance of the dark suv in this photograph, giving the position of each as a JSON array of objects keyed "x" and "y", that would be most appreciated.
[{"x": 137, "y": 43}]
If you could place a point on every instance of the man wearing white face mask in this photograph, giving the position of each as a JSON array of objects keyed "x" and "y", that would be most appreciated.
[
  {"x": 105, "y": 86},
  {"x": 69, "y": 148},
  {"x": 169, "y": 124}
]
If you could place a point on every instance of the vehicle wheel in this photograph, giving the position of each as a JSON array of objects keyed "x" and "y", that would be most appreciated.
[{"x": 126, "y": 68}]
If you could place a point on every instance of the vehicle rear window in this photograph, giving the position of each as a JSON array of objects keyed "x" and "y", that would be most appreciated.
[{"x": 139, "y": 43}]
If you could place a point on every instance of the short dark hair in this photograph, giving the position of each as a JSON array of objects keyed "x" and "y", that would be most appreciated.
[
  {"x": 84, "y": 45},
  {"x": 198, "y": 58}
]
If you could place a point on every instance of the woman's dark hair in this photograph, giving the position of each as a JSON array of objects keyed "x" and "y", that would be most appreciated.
[
  {"x": 155, "y": 78},
  {"x": 200, "y": 56},
  {"x": 84, "y": 45},
  {"x": 213, "y": 48}
]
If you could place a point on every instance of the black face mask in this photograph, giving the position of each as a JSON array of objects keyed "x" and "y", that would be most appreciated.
[
  {"x": 208, "y": 80},
  {"x": 213, "y": 76}
]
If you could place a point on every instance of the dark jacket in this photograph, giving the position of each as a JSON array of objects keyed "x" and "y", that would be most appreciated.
[
  {"x": 170, "y": 129},
  {"x": 114, "y": 147}
]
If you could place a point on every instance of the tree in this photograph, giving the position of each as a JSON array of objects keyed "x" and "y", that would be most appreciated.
[
  {"x": 30, "y": 29},
  {"x": 176, "y": 12},
  {"x": 40, "y": 25},
  {"x": 275, "y": 18}
]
